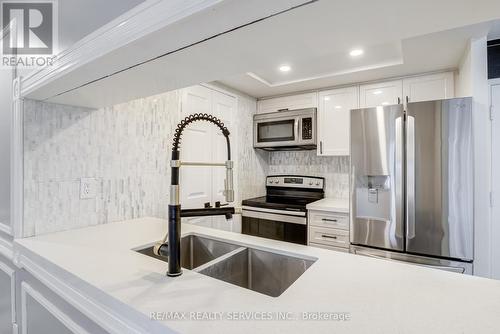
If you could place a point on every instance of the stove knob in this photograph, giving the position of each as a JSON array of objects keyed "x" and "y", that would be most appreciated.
[
  {"x": 277, "y": 181},
  {"x": 310, "y": 183},
  {"x": 271, "y": 181},
  {"x": 317, "y": 183}
]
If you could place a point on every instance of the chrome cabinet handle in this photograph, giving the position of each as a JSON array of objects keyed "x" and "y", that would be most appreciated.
[
  {"x": 399, "y": 100},
  {"x": 329, "y": 236},
  {"x": 329, "y": 220},
  {"x": 321, "y": 147}
]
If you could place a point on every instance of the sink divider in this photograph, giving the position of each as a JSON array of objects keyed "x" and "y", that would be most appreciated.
[{"x": 219, "y": 259}]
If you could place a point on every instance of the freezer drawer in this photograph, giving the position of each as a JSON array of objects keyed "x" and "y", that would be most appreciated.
[
  {"x": 441, "y": 264},
  {"x": 439, "y": 178}
]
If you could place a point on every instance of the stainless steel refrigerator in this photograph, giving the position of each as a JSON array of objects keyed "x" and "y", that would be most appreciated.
[{"x": 411, "y": 183}]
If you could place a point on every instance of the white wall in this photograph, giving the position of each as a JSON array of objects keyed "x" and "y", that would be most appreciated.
[
  {"x": 482, "y": 157},
  {"x": 5, "y": 124}
]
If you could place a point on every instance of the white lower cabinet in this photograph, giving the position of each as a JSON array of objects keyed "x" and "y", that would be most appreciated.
[
  {"x": 41, "y": 316},
  {"x": 7, "y": 296},
  {"x": 41, "y": 311},
  {"x": 329, "y": 230}
]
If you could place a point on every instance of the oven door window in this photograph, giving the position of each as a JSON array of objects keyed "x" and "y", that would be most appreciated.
[{"x": 276, "y": 131}]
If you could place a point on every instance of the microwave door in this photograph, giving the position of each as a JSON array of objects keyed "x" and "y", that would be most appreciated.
[{"x": 280, "y": 132}]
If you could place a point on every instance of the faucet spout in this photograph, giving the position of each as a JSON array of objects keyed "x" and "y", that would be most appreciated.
[{"x": 174, "y": 208}]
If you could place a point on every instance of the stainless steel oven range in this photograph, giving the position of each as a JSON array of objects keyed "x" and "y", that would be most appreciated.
[{"x": 281, "y": 214}]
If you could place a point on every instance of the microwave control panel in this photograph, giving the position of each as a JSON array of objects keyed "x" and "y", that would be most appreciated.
[{"x": 307, "y": 128}]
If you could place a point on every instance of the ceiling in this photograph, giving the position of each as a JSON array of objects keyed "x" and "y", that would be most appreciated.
[
  {"x": 78, "y": 18},
  {"x": 398, "y": 38}
]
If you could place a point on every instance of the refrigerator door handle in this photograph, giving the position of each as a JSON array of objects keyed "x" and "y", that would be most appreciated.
[
  {"x": 410, "y": 177},
  {"x": 399, "y": 180}
]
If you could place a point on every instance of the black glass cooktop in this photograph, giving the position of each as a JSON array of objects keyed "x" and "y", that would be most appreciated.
[{"x": 280, "y": 203}]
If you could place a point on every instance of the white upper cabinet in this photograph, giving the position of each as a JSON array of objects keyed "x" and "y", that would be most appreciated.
[
  {"x": 381, "y": 93},
  {"x": 300, "y": 101},
  {"x": 334, "y": 120},
  {"x": 429, "y": 87}
]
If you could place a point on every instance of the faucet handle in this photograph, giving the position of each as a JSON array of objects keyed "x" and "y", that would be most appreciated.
[{"x": 207, "y": 205}]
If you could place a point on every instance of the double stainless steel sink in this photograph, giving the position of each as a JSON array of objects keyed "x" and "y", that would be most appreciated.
[{"x": 258, "y": 270}]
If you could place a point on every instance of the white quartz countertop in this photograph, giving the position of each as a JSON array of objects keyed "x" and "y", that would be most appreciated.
[
  {"x": 330, "y": 204},
  {"x": 380, "y": 296}
]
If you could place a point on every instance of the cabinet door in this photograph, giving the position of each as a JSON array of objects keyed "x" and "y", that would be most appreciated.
[
  {"x": 300, "y": 101},
  {"x": 7, "y": 293},
  {"x": 429, "y": 87},
  {"x": 42, "y": 312},
  {"x": 334, "y": 120},
  {"x": 196, "y": 144},
  {"x": 223, "y": 107},
  {"x": 381, "y": 94}
]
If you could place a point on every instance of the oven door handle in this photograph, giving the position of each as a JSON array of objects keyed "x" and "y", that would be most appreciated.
[
  {"x": 275, "y": 217},
  {"x": 275, "y": 211}
]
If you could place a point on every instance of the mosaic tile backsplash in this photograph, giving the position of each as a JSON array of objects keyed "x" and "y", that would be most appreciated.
[
  {"x": 126, "y": 148},
  {"x": 335, "y": 170}
]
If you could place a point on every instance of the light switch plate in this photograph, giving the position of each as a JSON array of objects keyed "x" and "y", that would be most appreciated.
[{"x": 88, "y": 188}]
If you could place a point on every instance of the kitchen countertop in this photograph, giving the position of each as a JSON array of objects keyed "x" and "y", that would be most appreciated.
[
  {"x": 380, "y": 296},
  {"x": 330, "y": 204}
]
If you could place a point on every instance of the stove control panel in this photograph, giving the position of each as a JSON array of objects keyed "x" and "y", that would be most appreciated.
[{"x": 293, "y": 181}]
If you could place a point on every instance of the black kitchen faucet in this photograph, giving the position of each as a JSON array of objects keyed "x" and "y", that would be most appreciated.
[{"x": 172, "y": 247}]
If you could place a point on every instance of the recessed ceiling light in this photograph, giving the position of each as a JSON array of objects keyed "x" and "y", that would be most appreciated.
[
  {"x": 356, "y": 52},
  {"x": 285, "y": 68},
  {"x": 327, "y": 98},
  {"x": 377, "y": 92},
  {"x": 338, "y": 107}
]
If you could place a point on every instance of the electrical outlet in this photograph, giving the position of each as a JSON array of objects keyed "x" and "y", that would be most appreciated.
[{"x": 88, "y": 188}]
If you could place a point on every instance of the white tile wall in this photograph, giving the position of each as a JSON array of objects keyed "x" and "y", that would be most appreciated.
[
  {"x": 126, "y": 149},
  {"x": 335, "y": 170}
]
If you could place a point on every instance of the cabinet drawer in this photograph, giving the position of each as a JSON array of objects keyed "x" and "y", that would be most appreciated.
[
  {"x": 337, "y": 249},
  {"x": 329, "y": 220},
  {"x": 329, "y": 237}
]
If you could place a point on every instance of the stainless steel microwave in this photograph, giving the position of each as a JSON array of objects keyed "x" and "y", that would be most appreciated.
[{"x": 285, "y": 130}]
